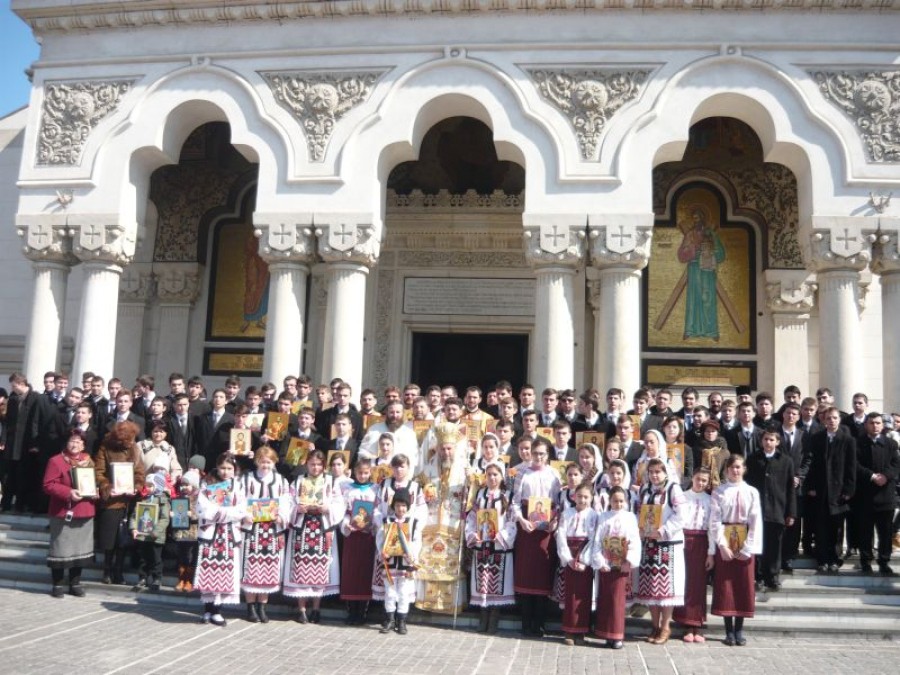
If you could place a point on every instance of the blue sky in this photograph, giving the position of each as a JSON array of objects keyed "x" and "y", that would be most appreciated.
[{"x": 18, "y": 50}]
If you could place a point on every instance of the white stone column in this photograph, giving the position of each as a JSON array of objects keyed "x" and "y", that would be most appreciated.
[
  {"x": 135, "y": 290},
  {"x": 177, "y": 287},
  {"x": 790, "y": 299},
  {"x": 49, "y": 247},
  {"x": 348, "y": 243},
  {"x": 104, "y": 247},
  {"x": 286, "y": 243},
  {"x": 554, "y": 245},
  {"x": 838, "y": 255},
  {"x": 886, "y": 262},
  {"x": 620, "y": 249}
]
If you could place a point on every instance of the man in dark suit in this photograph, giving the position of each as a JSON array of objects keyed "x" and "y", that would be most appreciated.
[
  {"x": 561, "y": 450},
  {"x": 123, "y": 414},
  {"x": 283, "y": 405},
  {"x": 792, "y": 446},
  {"x": 663, "y": 406},
  {"x": 744, "y": 438},
  {"x": 143, "y": 390},
  {"x": 213, "y": 430},
  {"x": 689, "y": 398},
  {"x": 589, "y": 417},
  {"x": 99, "y": 403},
  {"x": 877, "y": 469},
  {"x": 641, "y": 407},
  {"x": 20, "y": 456},
  {"x": 180, "y": 432},
  {"x": 830, "y": 459},
  {"x": 344, "y": 439},
  {"x": 342, "y": 406},
  {"x": 808, "y": 422},
  {"x": 856, "y": 421},
  {"x": 82, "y": 422}
]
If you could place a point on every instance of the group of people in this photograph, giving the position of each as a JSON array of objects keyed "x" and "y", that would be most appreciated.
[{"x": 441, "y": 501}]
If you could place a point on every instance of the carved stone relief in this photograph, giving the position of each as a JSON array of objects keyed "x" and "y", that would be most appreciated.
[
  {"x": 487, "y": 259},
  {"x": 177, "y": 284},
  {"x": 498, "y": 200},
  {"x": 588, "y": 99},
  {"x": 70, "y": 112},
  {"x": 319, "y": 99},
  {"x": 872, "y": 100},
  {"x": 46, "y": 242},
  {"x": 384, "y": 300}
]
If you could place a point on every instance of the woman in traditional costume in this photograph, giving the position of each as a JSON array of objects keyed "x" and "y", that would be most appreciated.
[
  {"x": 574, "y": 538},
  {"x": 698, "y": 557}
]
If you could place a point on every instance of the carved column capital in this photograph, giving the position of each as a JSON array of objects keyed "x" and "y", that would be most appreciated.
[
  {"x": 285, "y": 237},
  {"x": 789, "y": 292},
  {"x": 101, "y": 238},
  {"x": 554, "y": 240},
  {"x": 136, "y": 284},
  {"x": 177, "y": 283},
  {"x": 840, "y": 243},
  {"x": 46, "y": 238},
  {"x": 347, "y": 237},
  {"x": 620, "y": 240},
  {"x": 886, "y": 249}
]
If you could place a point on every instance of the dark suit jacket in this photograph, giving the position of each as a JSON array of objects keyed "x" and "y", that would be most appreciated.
[
  {"x": 350, "y": 445},
  {"x": 570, "y": 456},
  {"x": 878, "y": 456},
  {"x": 212, "y": 441},
  {"x": 325, "y": 418},
  {"x": 774, "y": 479},
  {"x": 184, "y": 442},
  {"x": 113, "y": 419},
  {"x": 830, "y": 469},
  {"x": 22, "y": 427},
  {"x": 738, "y": 443}
]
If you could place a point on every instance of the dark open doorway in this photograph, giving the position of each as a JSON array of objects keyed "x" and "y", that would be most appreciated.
[{"x": 466, "y": 359}]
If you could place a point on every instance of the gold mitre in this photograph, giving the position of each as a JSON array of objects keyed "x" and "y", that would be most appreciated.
[{"x": 447, "y": 432}]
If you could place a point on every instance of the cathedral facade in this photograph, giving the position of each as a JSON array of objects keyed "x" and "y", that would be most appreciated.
[{"x": 571, "y": 193}]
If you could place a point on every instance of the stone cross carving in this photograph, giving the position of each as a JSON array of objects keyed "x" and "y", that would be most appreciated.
[
  {"x": 846, "y": 239},
  {"x": 556, "y": 239},
  {"x": 621, "y": 235},
  {"x": 92, "y": 236},
  {"x": 40, "y": 236},
  {"x": 588, "y": 99},
  {"x": 319, "y": 99}
]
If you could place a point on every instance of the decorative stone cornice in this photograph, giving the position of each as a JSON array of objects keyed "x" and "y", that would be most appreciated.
[
  {"x": 837, "y": 242},
  {"x": 789, "y": 292},
  {"x": 46, "y": 239},
  {"x": 101, "y": 239},
  {"x": 319, "y": 99},
  {"x": 620, "y": 241},
  {"x": 348, "y": 237},
  {"x": 588, "y": 99},
  {"x": 445, "y": 201},
  {"x": 70, "y": 111},
  {"x": 870, "y": 98},
  {"x": 177, "y": 283},
  {"x": 285, "y": 237},
  {"x": 136, "y": 284},
  {"x": 554, "y": 240},
  {"x": 90, "y": 15},
  {"x": 886, "y": 250}
]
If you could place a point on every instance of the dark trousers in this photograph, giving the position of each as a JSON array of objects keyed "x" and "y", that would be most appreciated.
[
  {"x": 151, "y": 559},
  {"x": 790, "y": 542},
  {"x": 828, "y": 537},
  {"x": 810, "y": 520},
  {"x": 880, "y": 522},
  {"x": 768, "y": 565},
  {"x": 187, "y": 553}
]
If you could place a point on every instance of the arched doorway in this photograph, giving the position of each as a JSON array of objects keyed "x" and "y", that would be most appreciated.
[
  {"x": 723, "y": 217},
  {"x": 454, "y": 295}
]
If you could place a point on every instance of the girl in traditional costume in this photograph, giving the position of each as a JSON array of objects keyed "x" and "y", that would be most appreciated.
[
  {"x": 591, "y": 463},
  {"x": 698, "y": 557},
  {"x": 312, "y": 569},
  {"x": 535, "y": 555},
  {"x": 660, "y": 579},
  {"x": 492, "y": 545},
  {"x": 573, "y": 546},
  {"x": 616, "y": 475},
  {"x": 264, "y": 539},
  {"x": 220, "y": 506},
  {"x": 616, "y": 552},
  {"x": 359, "y": 543},
  {"x": 735, "y": 526}
]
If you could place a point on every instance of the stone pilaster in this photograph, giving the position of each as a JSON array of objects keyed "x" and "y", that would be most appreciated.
[
  {"x": 790, "y": 297},
  {"x": 886, "y": 263}
]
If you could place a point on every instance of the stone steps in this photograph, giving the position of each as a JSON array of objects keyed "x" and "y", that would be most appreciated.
[{"x": 808, "y": 604}]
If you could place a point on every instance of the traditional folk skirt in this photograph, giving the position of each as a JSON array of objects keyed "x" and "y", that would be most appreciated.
[
  {"x": 492, "y": 578},
  {"x": 733, "y": 591},
  {"x": 263, "y": 559},
  {"x": 356, "y": 566},
  {"x": 661, "y": 574},
  {"x": 535, "y": 562},
  {"x": 71, "y": 544},
  {"x": 218, "y": 572},
  {"x": 311, "y": 568},
  {"x": 577, "y": 592},
  {"x": 610, "y": 621},
  {"x": 693, "y": 612}
]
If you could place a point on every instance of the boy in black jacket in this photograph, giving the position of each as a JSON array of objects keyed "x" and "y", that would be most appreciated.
[
  {"x": 771, "y": 472},
  {"x": 877, "y": 467}
]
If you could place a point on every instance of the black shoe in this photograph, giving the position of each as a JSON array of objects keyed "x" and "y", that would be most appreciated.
[
  {"x": 866, "y": 568},
  {"x": 493, "y": 621},
  {"x": 822, "y": 569},
  {"x": 729, "y": 640},
  {"x": 387, "y": 625},
  {"x": 107, "y": 579},
  {"x": 57, "y": 591},
  {"x": 155, "y": 585},
  {"x": 315, "y": 616},
  {"x": 77, "y": 590},
  {"x": 614, "y": 644},
  {"x": 739, "y": 639},
  {"x": 301, "y": 617},
  {"x": 261, "y": 612},
  {"x": 885, "y": 570},
  {"x": 140, "y": 586},
  {"x": 834, "y": 568},
  {"x": 401, "y": 624},
  {"x": 852, "y": 552},
  {"x": 483, "y": 620},
  {"x": 773, "y": 586},
  {"x": 787, "y": 568},
  {"x": 252, "y": 616}
]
